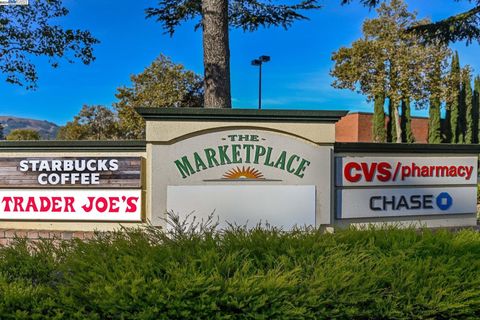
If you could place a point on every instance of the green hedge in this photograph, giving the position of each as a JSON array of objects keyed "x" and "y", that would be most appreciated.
[{"x": 239, "y": 274}]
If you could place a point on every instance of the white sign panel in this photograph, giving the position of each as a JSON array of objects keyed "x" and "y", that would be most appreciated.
[
  {"x": 393, "y": 171},
  {"x": 70, "y": 205},
  {"x": 398, "y": 202},
  {"x": 280, "y": 206},
  {"x": 244, "y": 157}
]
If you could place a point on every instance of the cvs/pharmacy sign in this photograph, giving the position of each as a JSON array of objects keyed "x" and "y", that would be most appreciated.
[{"x": 369, "y": 171}]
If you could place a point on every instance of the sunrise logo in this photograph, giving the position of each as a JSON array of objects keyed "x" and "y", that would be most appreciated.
[{"x": 247, "y": 173}]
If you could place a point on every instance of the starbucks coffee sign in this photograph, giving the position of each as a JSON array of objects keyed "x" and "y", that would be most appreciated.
[
  {"x": 199, "y": 173},
  {"x": 38, "y": 189}
]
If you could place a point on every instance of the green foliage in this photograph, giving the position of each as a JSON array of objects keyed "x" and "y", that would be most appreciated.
[
  {"x": 23, "y": 134},
  {"x": 462, "y": 26},
  {"x": 2, "y": 137},
  {"x": 407, "y": 133},
  {"x": 379, "y": 132},
  {"x": 453, "y": 98},
  {"x": 162, "y": 84},
  {"x": 391, "y": 62},
  {"x": 434, "y": 123},
  {"x": 92, "y": 123},
  {"x": 245, "y": 274},
  {"x": 29, "y": 31},
  {"x": 244, "y": 14},
  {"x": 476, "y": 109},
  {"x": 468, "y": 103},
  {"x": 391, "y": 125}
]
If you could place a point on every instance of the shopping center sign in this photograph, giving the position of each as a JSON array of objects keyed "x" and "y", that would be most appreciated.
[
  {"x": 70, "y": 189},
  {"x": 378, "y": 187}
]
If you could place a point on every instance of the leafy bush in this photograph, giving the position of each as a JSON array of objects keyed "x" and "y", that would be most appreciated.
[{"x": 262, "y": 273}]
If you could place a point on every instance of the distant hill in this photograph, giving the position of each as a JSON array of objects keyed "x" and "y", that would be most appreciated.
[{"x": 47, "y": 130}]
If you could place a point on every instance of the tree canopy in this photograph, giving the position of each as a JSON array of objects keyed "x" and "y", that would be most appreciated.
[
  {"x": 388, "y": 62},
  {"x": 23, "y": 134},
  {"x": 248, "y": 15},
  {"x": 91, "y": 123},
  {"x": 31, "y": 30},
  {"x": 162, "y": 84},
  {"x": 461, "y": 26}
]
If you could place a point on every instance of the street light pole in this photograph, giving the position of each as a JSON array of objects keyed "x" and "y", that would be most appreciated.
[
  {"x": 258, "y": 63},
  {"x": 260, "y": 88}
]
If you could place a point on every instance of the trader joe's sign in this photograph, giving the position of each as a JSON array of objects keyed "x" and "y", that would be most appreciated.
[{"x": 71, "y": 189}]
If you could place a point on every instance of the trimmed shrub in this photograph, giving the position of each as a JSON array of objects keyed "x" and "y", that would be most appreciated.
[{"x": 262, "y": 273}]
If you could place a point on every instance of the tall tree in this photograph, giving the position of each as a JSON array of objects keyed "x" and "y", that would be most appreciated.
[
  {"x": 434, "y": 123},
  {"x": 389, "y": 61},
  {"x": 468, "y": 102},
  {"x": 379, "y": 132},
  {"x": 407, "y": 133},
  {"x": 215, "y": 18},
  {"x": 476, "y": 110},
  {"x": 453, "y": 98},
  {"x": 2, "y": 137},
  {"x": 29, "y": 30},
  {"x": 391, "y": 125},
  {"x": 162, "y": 84},
  {"x": 463, "y": 105},
  {"x": 92, "y": 123}
]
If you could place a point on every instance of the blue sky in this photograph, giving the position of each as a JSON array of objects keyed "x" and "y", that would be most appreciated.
[{"x": 296, "y": 78}]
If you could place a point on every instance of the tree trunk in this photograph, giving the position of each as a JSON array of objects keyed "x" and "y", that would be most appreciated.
[
  {"x": 398, "y": 123},
  {"x": 216, "y": 54}
]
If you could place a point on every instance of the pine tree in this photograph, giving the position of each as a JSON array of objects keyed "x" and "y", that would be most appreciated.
[
  {"x": 476, "y": 110},
  {"x": 1, "y": 132},
  {"x": 378, "y": 122},
  {"x": 468, "y": 101},
  {"x": 434, "y": 124},
  {"x": 453, "y": 98},
  {"x": 215, "y": 18},
  {"x": 407, "y": 134}
]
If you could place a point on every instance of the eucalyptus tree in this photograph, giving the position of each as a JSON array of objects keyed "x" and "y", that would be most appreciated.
[{"x": 214, "y": 18}]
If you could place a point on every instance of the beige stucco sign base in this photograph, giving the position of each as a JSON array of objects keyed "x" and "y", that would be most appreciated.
[
  {"x": 221, "y": 164},
  {"x": 274, "y": 167}
]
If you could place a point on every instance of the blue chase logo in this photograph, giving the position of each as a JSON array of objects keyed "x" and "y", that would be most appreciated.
[{"x": 444, "y": 201}]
